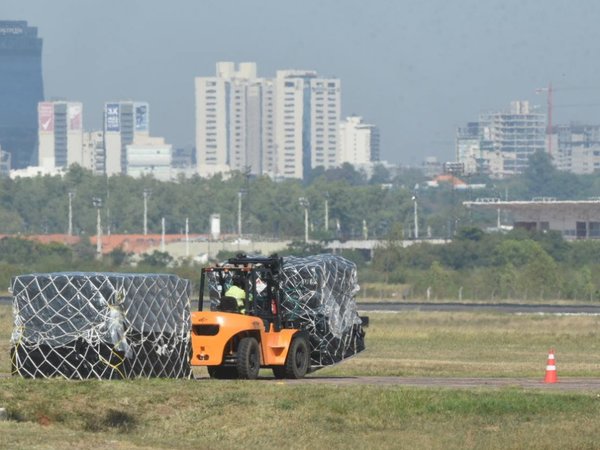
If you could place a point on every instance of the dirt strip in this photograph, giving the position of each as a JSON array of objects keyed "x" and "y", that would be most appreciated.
[{"x": 564, "y": 384}]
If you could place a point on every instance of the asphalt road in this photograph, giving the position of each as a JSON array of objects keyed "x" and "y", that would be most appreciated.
[
  {"x": 496, "y": 307},
  {"x": 457, "y": 306},
  {"x": 564, "y": 384}
]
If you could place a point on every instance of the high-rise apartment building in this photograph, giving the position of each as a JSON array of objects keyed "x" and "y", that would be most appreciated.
[
  {"x": 4, "y": 163},
  {"x": 501, "y": 142},
  {"x": 124, "y": 121},
  {"x": 268, "y": 155},
  {"x": 231, "y": 120},
  {"x": 281, "y": 127},
  {"x": 468, "y": 148},
  {"x": 60, "y": 134},
  {"x": 578, "y": 148},
  {"x": 358, "y": 142},
  {"x": 21, "y": 89},
  {"x": 307, "y": 115}
]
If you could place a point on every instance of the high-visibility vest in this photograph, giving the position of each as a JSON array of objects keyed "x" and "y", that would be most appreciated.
[{"x": 239, "y": 294}]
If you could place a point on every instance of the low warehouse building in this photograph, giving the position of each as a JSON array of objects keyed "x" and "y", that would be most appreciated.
[{"x": 574, "y": 219}]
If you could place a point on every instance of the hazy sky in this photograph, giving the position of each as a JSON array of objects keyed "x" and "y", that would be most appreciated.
[{"x": 417, "y": 69}]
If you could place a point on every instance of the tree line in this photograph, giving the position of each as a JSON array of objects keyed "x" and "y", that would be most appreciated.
[
  {"x": 473, "y": 264},
  {"x": 357, "y": 206},
  {"x": 518, "y": 265}
]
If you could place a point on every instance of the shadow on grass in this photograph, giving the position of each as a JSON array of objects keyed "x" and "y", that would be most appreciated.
[{"x": 112, "y": 420}]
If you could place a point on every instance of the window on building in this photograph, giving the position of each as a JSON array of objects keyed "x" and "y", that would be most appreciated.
[{"x": 594, "y": 229}]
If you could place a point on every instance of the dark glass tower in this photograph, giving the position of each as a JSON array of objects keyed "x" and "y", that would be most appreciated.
[{"x": 21, "y": 89}]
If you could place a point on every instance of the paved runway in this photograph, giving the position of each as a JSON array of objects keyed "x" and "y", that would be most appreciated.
[{"x": 495, "y": 307}]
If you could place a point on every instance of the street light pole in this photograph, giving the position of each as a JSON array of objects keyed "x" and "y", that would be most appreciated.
[
  {"x": 416, "y": 218},
  {"x": 107, "y": 208},
  {"x": 239, "y": 224},
  {"x": 326, "y": 211},
  {"x": 97, "y": 202},
  {"x": 71, "y": 195},
  {"x": 305, "y": 204},
  {"x": 187, "y": 237},
  {"x": 162, "y": 235},
  {"x": 147, "y": 193}
]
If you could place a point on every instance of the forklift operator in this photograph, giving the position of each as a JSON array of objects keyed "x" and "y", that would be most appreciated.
[{"x": 237, "y": 291}]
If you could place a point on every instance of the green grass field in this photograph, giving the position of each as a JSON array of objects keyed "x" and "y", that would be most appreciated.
[{"x": 257, "y": 414}]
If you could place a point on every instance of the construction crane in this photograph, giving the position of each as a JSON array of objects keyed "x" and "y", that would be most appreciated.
[{"x": 549, "y": 90}]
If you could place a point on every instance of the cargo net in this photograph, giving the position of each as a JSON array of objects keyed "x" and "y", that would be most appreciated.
[
  {"x": 319, "y": 295},
  {"x": 100, "y": 325}
]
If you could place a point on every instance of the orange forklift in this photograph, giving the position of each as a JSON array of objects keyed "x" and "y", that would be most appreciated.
[{"x": 239, "y": 336}]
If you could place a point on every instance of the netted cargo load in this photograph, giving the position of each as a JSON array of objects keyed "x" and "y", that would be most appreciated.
[
  {"x": 318, "y": 293},
  {"x": 80, "y": 325}
]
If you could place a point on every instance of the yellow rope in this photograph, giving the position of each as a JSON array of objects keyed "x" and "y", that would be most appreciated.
[{"x": 114, "y": 366}]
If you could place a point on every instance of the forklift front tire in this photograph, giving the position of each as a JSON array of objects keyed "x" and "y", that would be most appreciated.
[
  {"x": 248, "y": 358},
  {"x": 297, "y": 363}
]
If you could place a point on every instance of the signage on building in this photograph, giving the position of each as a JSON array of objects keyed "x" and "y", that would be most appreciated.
[
  {"x": 11, "y": 30},
  {"x": 75, "y": 120},
  {"x": 112, "y": 117},
  {"x": 46, "y": 116},
  {"x": 454, "y": 168},
  {"x": 141, "y": 117}
]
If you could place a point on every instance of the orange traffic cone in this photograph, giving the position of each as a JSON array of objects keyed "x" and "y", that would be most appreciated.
[{"x": 551, "y": 369}]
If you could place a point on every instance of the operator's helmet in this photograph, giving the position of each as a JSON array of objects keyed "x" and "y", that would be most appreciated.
[{"x": 238, "y": 280}]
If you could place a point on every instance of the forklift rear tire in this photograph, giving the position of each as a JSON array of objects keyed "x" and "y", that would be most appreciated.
[
  {"x": 297, "y": 363},
  {"x": 248, "y": 358}
]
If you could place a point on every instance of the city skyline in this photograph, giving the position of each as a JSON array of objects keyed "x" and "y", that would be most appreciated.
[
  {"x": 417, "y": 71},
  {"x": 282, "y": 126}
]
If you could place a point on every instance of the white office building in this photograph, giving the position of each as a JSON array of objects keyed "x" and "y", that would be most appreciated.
[
  {"x": 124, "y": 121},
  {"x": 358, "y": 142},
  {"x": 149, "y": 156},
  {"x": 60, "y": 134}
]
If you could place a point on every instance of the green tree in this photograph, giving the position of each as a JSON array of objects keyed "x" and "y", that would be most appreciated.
[
  {"x": 118, "y": 257},
  {"x": 156, "y": 260},
  {"x": 542, "y": 179},
  {"x": 506, "y": 281},
  {"x": 540, "y": 277},
  {"x": 381, "y": 175},
  {"x": 439, "y": 279}
]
